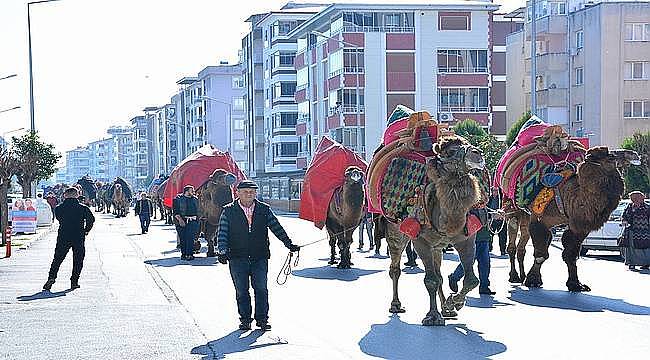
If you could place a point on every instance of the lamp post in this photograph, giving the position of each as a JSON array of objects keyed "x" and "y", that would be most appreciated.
[
  {"x": 533, "y": 60},
  {"x": 357, "y": 102},
  {"x": 204, "y": 97}
]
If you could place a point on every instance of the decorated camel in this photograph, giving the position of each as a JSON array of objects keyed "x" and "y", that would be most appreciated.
[
  {"x": 165, "y": 211},
  {"x": 153, "y": 194},
  {"x": 88, "y": 189},
  {"x": 120, "y": 201},
  {"x": 213, "y": 195},
  {"x": 550, "y": 180},
  {"x": 344, "y": 215},
  {"x": 420, "y": 181},
  {"x": 104, "y": 198}
]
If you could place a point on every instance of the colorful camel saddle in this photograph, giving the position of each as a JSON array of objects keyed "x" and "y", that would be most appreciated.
[{"x": 402, "y": 185}]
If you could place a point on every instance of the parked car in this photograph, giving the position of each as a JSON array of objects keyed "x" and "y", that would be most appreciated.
[{"x": 606, "y": 238}]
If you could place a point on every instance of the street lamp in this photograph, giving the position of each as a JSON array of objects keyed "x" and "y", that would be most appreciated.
[
  {"x": 203, "y": 97},
  {"x": 31, "y": 74},
  {"x": 357, "y": 102}
]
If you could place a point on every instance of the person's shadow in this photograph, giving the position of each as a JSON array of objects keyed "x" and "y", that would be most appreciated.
[
  {"x": 43, "y": 294},
  {"x": 176, "y": 261},
  {"x": 561, "y": 299},
  {"x": 485, "y": 302},
  {"x": 333, "y": 273},
  {"x": 232, "y": 343},
  {"x": 399, "y": 340}
]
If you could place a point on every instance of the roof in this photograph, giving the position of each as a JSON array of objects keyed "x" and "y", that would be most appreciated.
[
  {"x": 187, "y": 80},
  {"x": 517, "y": 13}
]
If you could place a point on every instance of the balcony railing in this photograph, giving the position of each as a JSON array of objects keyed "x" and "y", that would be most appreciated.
[
  {"x": 388, "y": 29},
  {"x": 353, "y": 70},
  {"x": 463, "y": 109}
]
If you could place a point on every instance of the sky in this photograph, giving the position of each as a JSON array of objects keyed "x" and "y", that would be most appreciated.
[{"x": 98, "y": 63}]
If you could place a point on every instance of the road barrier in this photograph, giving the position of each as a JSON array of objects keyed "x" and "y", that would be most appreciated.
[{"x": 8, "y": 245}]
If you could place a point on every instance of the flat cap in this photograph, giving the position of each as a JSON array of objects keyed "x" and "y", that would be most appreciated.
[{"x": 247, "y": 184}]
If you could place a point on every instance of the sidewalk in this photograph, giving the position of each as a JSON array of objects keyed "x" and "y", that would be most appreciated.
[
  {"x": 119, "y": 312},
  {"x": 24, "y": 241}
]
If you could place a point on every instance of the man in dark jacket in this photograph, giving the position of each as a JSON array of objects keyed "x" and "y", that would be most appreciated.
[
  {"x": 75, "y": 222},
  {"x": 144, "y": 209},
  {"x": 186, "y": 210},
  {"x": 498, "y": 223},
  {"x": 243, "y": 239}
]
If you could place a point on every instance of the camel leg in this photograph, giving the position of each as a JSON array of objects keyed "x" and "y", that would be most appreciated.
[
  {"x": 332, "y": 247},
  {"x": 432, "y": 280},
  {"x": 210, "y": 233},
  {"x": 541, "y": 240},
  {"x": 571, "y": 243},
  {"x": 344, "y": 242},
  {"x": 396, "y": 244},
  {"x": 524, "y": 237},
  {"x": 513, "y": 228},
  {"x": 466, "y": 252}
]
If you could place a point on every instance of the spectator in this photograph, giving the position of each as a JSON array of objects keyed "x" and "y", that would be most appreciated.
[{"x": 635, "y": 246}]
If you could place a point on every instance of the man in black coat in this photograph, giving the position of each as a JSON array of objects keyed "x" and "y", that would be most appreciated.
[
  {"x": 144, "y": 209},
  {"x": 75, "y": 222},
  {"x": 186, "y": 210},
  {"x": 243, "y": 239}
]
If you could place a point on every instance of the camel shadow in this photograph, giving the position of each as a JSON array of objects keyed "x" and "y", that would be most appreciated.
[
  {"x": 43, "y": 294},
  {"x": 378, "y": 256},
  {"x": 412, "y": 270},
  {"x": 167, "y": 252},
  {"x": 233, "y": 343},
  {"x": 484, "y": 302},
  {"x": 560, "y": 299},
  {"x": 493, "y": 256},
  {"x": 176, "y": 261},
  {"x": 607, "y": 257},
  {"x": 332, "y": 273},
  {"x": 399, "y": 340}
]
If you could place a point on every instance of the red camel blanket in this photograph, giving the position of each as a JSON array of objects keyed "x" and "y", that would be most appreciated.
[
  {"x": 324, "y": 175},
  {"x": 197, "y": 168}
]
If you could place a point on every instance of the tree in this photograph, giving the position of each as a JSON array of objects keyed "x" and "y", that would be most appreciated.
[
  {"x": 638, "y": 178},
  {"x": 469, "y": 127},
  {"x": 37, "y": 160},
  {"x": 9, "y": 166},
  {"x": 492, "y": 148},
  {"x": 514, "y": 129}
]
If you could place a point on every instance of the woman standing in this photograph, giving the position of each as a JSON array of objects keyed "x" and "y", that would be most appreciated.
[{"x": 635, "y": 246}]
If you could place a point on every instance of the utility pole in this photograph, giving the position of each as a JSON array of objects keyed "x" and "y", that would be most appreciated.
[{"x": 533, "y": 60}]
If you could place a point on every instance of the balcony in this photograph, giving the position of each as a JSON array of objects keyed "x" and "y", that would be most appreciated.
[
  {"x": 353, "y": 70},
  {"x": 386, "y": 29},
  {"x": 553, "y": 24},
  {"x": 552, "y": 98},
  {"x": 551, "y": 62}
]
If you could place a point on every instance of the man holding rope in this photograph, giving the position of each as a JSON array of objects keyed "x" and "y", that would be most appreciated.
[{"x": 243, "y": 241}]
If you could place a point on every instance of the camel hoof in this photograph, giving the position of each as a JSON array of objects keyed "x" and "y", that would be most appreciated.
[
  {"x": 396, "y": 309},
  {"x": 343, "y": 266},
  {"x": 211, "y": 254},
  {"x": 577, "y": 287},
  {"x": 433, "y": 321},
  {"x": 449, "y": 313},
  {"x": 514, "y": 278},
  {"x": 332, "y": 262},
  {"x": 533, "y": 281}
]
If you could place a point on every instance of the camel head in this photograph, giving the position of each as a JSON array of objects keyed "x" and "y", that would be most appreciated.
[
  {"x": 221, "y": 177},
  {"x": 619, "y": 158},
  {"x": 555, "y": 140},
  {"x": 456, "y": 155},
  {"x": 353, "y": 175}
]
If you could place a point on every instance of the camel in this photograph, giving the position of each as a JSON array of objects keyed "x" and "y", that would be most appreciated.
[
  {"x": 120, "y": 201},
  {"x": 166, "y": 212},
  {"x": 88, "y": 189},
  {"x": 344, "y": 215},
  {"x": 587, "y": 199},
  {"x": 517, "y": 222},
  {"x": 104, "y": 198},
  {"x": 449, "y": 196},
  {"x": 213, "y": 195}
]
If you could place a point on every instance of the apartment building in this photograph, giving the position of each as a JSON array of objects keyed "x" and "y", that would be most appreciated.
[
  {"x": 356, "y": 63},
  {"x": 166, "y": 147},
  {"x": 190, "y": 112},
  {"x": 225, "y": 115},
  {"x": 143, "y": 149},
  {"x": 77, "y": 164},
  {"x": 592, "y": 68},
  {"x": 103, "y": 159}
]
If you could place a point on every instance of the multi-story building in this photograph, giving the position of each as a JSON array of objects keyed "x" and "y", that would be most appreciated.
[
  {"x": 103, "y": 159},
  {"x": 280, "y": 108},
  {"x": 356, "y": 63},
  {"x": 143, "y": 154},
  {"x": 194, "y": 114},
  {"x": 225, "y": 116},
  {"x": 123, "y": 136},
  {"x": 165, "y": 146},
  {"x": 77, "y": 164},
  {"x": 592, "y": 67}
]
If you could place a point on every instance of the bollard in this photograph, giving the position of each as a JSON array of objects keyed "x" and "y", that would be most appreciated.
[{"x": 8, "y": 246}]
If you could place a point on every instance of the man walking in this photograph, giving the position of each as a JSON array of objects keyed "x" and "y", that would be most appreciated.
[
  {"x": 144, "y": 209},
  {"x": 243, "y": 240},
  {"x": 186, "y": 209},
  {"x": 75, "y": 222},
  {"x": 366, "y": 223},
  {"x": 498, "y": 225}
]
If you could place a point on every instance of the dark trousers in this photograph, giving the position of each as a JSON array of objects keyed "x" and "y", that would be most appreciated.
[
  {"x": 187, "y": 234},
  {"x": 503, "y": 234},
  {"x": 145, "y": 220},
  {"x": 60, "y": 252},
  {"x": 245, "y": 272},
  {"x": 482, "y": 256},
  {"x": 411, "y": 255},
  {"x": 368, "y": 225}
]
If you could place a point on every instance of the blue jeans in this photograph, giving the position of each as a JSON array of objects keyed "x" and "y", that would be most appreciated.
[
  {"x": 367, "y": 225},
  {"x": 187, "y": 234},
  {"x": 482, "y": 255},
  {"x": 245, "y": 271},
  {"x": 145, "y": 220}
]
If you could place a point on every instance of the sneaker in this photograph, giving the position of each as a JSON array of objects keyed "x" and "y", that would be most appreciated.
[
  {"x": 631, "y": 267},
  {"x": 486, "y": 291},
  {"x": 453, "y": 284},
  {"x": 264, "y": 325},
  {"x": 185, "y": 257},
  {"x": 411, "y": 263},
  {"x": 74, "y": 285},
  {"x": 48, "y": 284},
  {"x": 244, "y": 326}
]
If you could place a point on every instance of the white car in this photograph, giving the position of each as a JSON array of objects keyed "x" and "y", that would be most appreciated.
[{"x": 606, "y": 238}]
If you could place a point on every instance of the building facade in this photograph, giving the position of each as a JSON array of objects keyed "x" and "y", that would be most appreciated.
[
  {"x": 592, "y": 68},
  {"x": 103, "y": 159},
  {"x": 356, "y": 63},
  {"x": 77, "y": 164}
]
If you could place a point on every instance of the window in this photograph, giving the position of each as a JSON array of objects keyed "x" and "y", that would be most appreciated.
[
  {"x": 335, "y": 63},
  {"x": 454, "y": 22},
  {"x": 302, "y": 45},
  {"x": 350, "y": 59},
  {"x": 578, "y": 112},
  {"x": 285, "y": 120},
  {"x": 337, "y": 25},
  {"x": 238, "y": 103},
  {"x": 463, "y": 99},
  {"x": 237, "y": 82},
  {"x": 579, "y": 76},
  {"x": 283, "y": 59},
  {"x": 287, "y": 149},
  {"x": 636, "y": 70},
  {"x": 348, "y": 136},
  {"x": 303, "y": 110},
  {"x": 636, "y": 109},
  {"x": 281, "y": 89},
  {"x": 240, "y": 145},
  {"x": 637, "y": 32},
  {"x": 463, "y": 61},
  {"x": 302, "y": 78},
  {"x": 283, "y": 27},
  {"x": 394, "y": 20},
  {"x": 239, "y": 124},
  {"x": 580, "y": 39}
]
